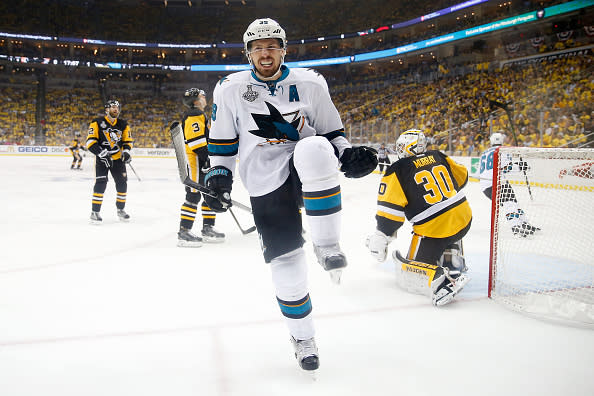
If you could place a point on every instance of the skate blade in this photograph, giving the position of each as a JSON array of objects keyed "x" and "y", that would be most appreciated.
[
  {"x": 95, "y": 222},
  {"x": 335, "y": 276},
  {"x": 124, "y": 220},
  {"x": 186, "y": 244}
]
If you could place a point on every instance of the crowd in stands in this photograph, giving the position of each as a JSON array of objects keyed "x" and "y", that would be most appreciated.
[
  {"x": 551, "y": 96},
  {"x": 458, "y": 107},
  {"x": 143, "y": 22},
  {"x": 17, "y": 114},
  {"x": 448, "y": 101}
]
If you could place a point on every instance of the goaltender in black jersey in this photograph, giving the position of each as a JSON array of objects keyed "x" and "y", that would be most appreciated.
[{"x": 425, "y": 187}]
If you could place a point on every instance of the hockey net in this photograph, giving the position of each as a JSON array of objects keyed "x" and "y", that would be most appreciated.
[{"x": 548, "y": 274}]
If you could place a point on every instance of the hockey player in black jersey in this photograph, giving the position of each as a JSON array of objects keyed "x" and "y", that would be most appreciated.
[
  {"x": 109, "y": 138},
  {"x": 75, "y": 148},
  {"x": 195, "y": 129},
  {"x": 425, "y": 187}
]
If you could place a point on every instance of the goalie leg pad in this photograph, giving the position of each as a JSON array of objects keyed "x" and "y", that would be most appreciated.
[
  {"x": 418, "y": 277},
  {"x": 453, "y": 258}
]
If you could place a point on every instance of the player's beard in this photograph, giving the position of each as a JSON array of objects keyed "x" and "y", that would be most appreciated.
[{"x": 268, "y": 72}]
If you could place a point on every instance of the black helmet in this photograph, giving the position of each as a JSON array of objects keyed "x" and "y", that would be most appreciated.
[
  {"x": 112, "y": 102},
  {"x": 191, "y": 95}
]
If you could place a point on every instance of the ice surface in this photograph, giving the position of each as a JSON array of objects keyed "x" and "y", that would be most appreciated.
[{"x": 119, "y": 309}]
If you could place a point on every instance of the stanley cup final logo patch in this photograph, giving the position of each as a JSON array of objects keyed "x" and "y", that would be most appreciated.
[{"x": 250, "y": 95}]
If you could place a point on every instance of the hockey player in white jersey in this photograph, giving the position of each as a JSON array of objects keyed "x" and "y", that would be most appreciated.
[
  {"x": 513, "y": 214},
  {"x": 291, "y": 144}
]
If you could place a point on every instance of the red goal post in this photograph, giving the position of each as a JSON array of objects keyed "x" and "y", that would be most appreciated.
[{"x": 550, "y": 274}]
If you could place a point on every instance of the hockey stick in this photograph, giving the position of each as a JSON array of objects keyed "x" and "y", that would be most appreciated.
[
  {"x": 183, "y": 167},
  {"x": 505, "y": 107},
  {"x": 243, "y": 231},
  {"x": 133, "y": 170}
]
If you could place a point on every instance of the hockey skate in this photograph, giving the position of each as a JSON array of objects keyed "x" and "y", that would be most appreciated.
[
  {"x": 524, "y": 230},
  {"x": 123, "y": 216},
  {"x": 306, "y": 353},
  {"x": 449, "y": 287},
  {"x": 332, "y": 259},
  {"x": 185, "y": 238},
  {"x": 210, "y": 234},
  {"x": 96, "y": 218}
]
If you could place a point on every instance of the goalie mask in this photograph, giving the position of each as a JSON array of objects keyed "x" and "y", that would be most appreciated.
[
  {"x": 497, "y": 139},
  {"x": 191, "y": 95},
  {"x": 265, "y": 28},
  {"x": 410, "y": 143}
]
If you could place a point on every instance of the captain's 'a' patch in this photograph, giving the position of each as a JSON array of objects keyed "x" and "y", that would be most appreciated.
[{"x": 273, "y": 126}]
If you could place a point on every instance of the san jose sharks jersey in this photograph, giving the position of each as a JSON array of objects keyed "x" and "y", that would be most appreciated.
[
  {"x": 262, "y": 121},
  {"x": 506, "y": 164},
  {"x": 104, "y": 134},
  {"x": 426, "y": 189}
]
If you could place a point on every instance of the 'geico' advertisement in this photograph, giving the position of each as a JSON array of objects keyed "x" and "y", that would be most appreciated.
[{"x": 65, "y": 151}]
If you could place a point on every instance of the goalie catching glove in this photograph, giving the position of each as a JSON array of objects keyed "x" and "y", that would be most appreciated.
[
  {"x": 105, "y": 157},
  {"x": 377, "y": 243},
  {"x": 220, "y": 180},
  {"x": 358, "y": 161}
]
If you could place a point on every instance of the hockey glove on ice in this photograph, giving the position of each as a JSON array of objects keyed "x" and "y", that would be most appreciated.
[
  {"x": 105, "y": 157},
  {"x": 358, "y": 161},
  {"x": 126, "y": 157},
  {"x": 220, "y": 180}
]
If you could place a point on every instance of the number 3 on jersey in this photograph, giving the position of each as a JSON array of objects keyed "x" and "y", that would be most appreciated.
[{"x": 437, "y": 183}]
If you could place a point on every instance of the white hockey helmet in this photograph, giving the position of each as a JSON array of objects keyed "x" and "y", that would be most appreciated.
[
  {"x": 497, "y": 139},
  {"x": 262, "y": 29},
  {"x": 411, "y": 142}
]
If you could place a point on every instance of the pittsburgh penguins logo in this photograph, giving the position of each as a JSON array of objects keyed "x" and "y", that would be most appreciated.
[
  {"x": 114, "y": 134},
  {"x": 273, "y": 126}
]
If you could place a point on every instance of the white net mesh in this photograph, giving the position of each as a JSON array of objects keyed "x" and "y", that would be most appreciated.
[{"x": 542, "y": 260}]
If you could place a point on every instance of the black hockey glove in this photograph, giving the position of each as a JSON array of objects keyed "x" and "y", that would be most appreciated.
[
  {"x": 126, "y": 157},
  {"x": 204, "y": 165},
  {"x": 358, "y": 161},
  {"x": 105, "y": 157},
  {"x": 220, "y": 180}
]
